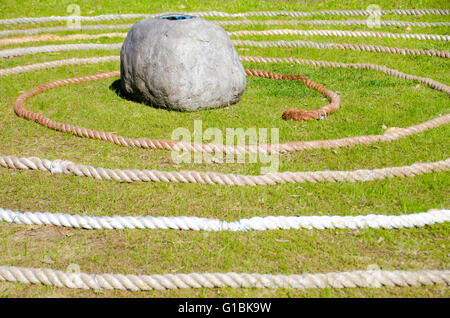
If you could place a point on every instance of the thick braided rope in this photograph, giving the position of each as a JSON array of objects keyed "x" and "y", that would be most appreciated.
[
  {"x": 261, "y": 44},
  {"x": 342, "y": 46},
  {"x": 193, "y": 223},
  {"x": 110, "y": 17},
  {"x": 54, "y": 37},
  {"x": 132, "y": 175},
  {"x": 210, "y": 148},
  {"x": 325, "y": 22},
  {"x": 346, "y": 279},
  {"x": 366, "y": 66},
  {"x": 57, "y": 63},
  {"x": 8, "y": 53},
  {"x": 233, "y": 22},
  {"x": 327, "y": 12},
  {"x": 340, "y": 33},
  {"x": 375, "y": 278},
  {"x": 169, "y": 144},
  {"x": 254, "y": 59},
  {"x": 303, "y": 115},
  {"x": 58, "y": 48},
  {"x": 87, "y": 27}
]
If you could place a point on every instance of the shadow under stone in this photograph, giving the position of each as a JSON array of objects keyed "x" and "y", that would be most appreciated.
[{"x": 116, "y": 88}]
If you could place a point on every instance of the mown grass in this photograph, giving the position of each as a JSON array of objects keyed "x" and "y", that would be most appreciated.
[{"x": 369, "y": 101}]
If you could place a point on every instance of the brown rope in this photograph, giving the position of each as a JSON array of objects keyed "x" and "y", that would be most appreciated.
[
  {"x": 297, "y": 114},
  {"x": 19, "y": 108},
  {"x": 293, "y": 146}
]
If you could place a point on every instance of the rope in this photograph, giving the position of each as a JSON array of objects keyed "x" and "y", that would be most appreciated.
[
  {"x": 436, "y": 37},
  {"x": 339, "y": 33},
  {"x": 214, "y": 148},
  {"x": 132, "y": 175},
  {"x": 58, "y": 63},
  {"x": 329, "y": 22},
  {"x": 193, "y": 223},
  {"x": 166, "y": 144},
  {"x": 111, "y": 17},
  {"x": 53, "y": 37},
  {"x": 261, "y": 44},
  {"x": 375, "y": 278},
  {"x": 341, "y": 46},
  {"x": 82, "y": 27},
  {"x": 235, "y": 280},
  {"x": 234, "y": 23},
  {"x": 58, "y": 48}
]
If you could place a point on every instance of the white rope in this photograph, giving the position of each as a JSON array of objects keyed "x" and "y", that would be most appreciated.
[
  {"x": 329, "y": 22},
  {"x": 254, "y": 59},
  {"x": 231, "y": 15},
  {"x": 59, "y": 166},
  {"x": 233, "y": 22},
  {"x": 58, "y": 48},
  {"x": 57, "y": 63},
  {"x": 234, "y": 280},
  {"x": 65, "y": 28},
  {"x": 436, "y": 37},
  {"x": 53, "y": 37},
  {"x": 263, "y": 44},
  {"x": 342, "y": 46},
  {"x": 372, "y": 279},
  {"x": 322, "y": 222}
]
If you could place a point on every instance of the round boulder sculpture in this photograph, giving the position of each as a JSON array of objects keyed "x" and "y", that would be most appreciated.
[{"x": 181, "y": 62}]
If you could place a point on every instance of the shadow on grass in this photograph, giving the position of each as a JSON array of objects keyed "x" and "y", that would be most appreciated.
[{"x": 116, "y": 88}]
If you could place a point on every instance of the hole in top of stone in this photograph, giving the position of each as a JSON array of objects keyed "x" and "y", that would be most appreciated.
[{"x": 177, "y": 17}]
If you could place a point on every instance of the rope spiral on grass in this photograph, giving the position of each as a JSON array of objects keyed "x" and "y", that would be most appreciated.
[
  {"x": 235, "y": 280},
  {"x": 212, "y": 148},
  {"x": 164, "y": 144}
]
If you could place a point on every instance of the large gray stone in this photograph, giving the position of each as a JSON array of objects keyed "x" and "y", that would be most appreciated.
[{"x": 187, "y": 64}]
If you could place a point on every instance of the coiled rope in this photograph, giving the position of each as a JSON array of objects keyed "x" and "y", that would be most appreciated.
[
  {"x": 211, "y": 280},
  {"x": 210, "y": 148}
]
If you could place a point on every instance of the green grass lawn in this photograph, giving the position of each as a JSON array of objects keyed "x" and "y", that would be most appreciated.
[{"x": 369, "y": 100}]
